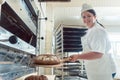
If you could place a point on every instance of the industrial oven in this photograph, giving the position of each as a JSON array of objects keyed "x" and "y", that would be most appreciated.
[{"x": 19, "y": 17}]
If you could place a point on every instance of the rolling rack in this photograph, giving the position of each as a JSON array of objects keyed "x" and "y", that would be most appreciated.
[{"x": 68, "y": 42}]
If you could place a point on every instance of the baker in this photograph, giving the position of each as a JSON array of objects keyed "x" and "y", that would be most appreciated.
[{"x": 96, "y": 46}]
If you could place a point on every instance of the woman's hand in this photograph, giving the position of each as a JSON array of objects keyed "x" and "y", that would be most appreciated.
[{"x": 74, "y": 57}]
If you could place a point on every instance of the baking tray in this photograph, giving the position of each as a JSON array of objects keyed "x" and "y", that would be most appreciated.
[
  {"x": 48, "y": 66},
  {"x": 13, "y": 71}
]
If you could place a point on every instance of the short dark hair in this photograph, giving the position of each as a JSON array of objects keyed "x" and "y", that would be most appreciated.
[{"x": 92, "y": 11}]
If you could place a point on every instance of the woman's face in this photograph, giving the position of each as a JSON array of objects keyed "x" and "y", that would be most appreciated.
[{"x": 88, "y": 19}]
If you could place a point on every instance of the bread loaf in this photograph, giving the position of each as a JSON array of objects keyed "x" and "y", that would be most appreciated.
[
  {"x": 35, "y": 77},
  {"x": 46, "y": 59}
]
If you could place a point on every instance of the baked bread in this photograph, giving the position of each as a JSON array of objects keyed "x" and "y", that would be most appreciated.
[
  {"x": 35, "y": 77},
  {"x": 46, "y": 59}
]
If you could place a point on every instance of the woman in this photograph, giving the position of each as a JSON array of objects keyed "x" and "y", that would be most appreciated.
[
  {"x": 113, "y": 66},
  {"x": 95, "y": 47}
]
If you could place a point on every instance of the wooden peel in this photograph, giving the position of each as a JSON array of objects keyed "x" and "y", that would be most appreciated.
[
  {"x": 36, "y": 61},
  {"x": 65, "y": 59}
]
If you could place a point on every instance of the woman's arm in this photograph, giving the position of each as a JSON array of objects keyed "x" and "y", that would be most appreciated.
[{"x": 86, "y": 56}]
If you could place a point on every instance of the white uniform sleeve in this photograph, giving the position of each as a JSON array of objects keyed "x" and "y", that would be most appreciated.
[{"x": 97, "y": 41}]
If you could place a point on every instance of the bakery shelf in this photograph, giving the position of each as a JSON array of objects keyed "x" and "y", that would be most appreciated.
[
  {"x": 67, "y": 42},
  {"x": 70, "y": 77}
]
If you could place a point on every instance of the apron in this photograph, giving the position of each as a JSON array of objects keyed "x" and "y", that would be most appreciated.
[{"x": 98, "y": 69}]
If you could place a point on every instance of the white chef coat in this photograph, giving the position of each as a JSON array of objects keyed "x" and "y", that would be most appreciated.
[
  {"x": 96, "y": 39},
  {"x": 113, "y": 64}
]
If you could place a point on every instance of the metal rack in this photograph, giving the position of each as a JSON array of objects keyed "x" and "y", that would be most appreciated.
[
  {"x": 15, "y": 63},
  {"x": 68, "y": 42}
]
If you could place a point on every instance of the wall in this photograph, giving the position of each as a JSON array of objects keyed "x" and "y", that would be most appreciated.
[{"x": 69, "y": 13}]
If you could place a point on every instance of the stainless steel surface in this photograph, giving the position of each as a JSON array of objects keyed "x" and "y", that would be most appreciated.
[
  {"x": 14, "y": 63},
  {"x": 70, "y": 78},
  {"x": 19, "y": 7},
  {"x": 20, "y": 18},
  {"x": 13, "y": 71}
]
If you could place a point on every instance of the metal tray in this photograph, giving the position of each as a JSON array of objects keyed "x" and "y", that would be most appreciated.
[{"x": 13, "y": 71}]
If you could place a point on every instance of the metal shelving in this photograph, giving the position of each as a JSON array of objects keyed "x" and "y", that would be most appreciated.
[
  {"x": 19, "y": 62},
  {"x": 68, "y": 42}
]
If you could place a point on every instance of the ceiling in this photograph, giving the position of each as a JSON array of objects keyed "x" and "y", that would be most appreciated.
[{"x": 108, "y": 11}]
